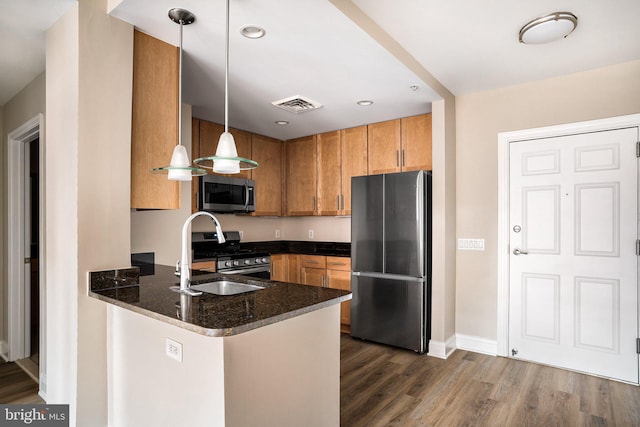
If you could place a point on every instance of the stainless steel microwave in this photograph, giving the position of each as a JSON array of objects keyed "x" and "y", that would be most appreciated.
[{"x": 225, "y": 194}]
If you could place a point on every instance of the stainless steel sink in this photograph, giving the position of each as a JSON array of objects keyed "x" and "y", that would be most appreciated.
[{"x": 225, "y": 287}]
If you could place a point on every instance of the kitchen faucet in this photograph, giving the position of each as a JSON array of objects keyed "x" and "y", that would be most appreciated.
[{"x": 184, "y": 261}]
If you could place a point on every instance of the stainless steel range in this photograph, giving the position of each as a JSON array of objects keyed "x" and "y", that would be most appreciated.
[{"x": 230, "y": 257}]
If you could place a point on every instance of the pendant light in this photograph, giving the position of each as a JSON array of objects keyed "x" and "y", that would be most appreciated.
[
  {"x": 180, "y": 168},
  {"x": 226, "y": 159}
]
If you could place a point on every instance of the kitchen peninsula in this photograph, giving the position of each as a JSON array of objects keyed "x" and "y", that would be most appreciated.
[{"x": 268, "y": 357}]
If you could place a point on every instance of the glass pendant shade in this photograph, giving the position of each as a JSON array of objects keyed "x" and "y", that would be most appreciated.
[
  {"x": 180, "y": 159},
  {"x": 226, "y": 152}
]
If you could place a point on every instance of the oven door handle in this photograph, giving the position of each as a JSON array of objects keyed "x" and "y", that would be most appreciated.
[{"x": 247, "y": 270}]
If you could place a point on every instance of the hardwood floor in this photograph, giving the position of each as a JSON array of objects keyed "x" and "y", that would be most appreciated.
[
  {"x": 385, "y": 386},
  {"x": 16, "y": 386}
]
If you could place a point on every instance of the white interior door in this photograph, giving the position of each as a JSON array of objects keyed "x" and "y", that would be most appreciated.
[{"x": 573, "y": 291}]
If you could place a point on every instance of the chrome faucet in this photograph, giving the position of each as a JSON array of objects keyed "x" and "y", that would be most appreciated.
[{"x": 184, "y": 261}]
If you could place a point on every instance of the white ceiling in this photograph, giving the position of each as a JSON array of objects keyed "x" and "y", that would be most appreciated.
[
  {"x": 22, "y": 27},
  {"x": 314, "y": 50}
]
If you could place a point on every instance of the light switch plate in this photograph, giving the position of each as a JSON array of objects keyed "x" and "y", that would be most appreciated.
[
  {"x": 277, "y": 234},
  {"x": 311, "y": 234},
  {"x": 471, "y": 244},
  {"x": 173, "y": 349}
]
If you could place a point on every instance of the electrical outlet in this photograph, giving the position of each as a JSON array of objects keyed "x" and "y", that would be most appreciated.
[
  {"x": 173, "y": 349},
  {"x": 241, "y": 234},
  {"x": 277, "y": 234},
  {"x": 311, "y": 234}
]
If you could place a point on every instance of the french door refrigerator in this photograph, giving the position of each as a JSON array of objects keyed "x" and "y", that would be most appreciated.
[{"x": 391, "y": 259}]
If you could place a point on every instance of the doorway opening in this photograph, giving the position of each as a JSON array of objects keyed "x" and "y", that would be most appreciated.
[{"x": 25, "y": 266}]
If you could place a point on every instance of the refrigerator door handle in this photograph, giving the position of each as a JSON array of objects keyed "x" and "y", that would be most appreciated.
[{"x": 388, "y": 276}]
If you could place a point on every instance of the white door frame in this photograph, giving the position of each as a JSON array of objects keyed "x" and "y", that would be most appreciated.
[
  {"x": 504, "y": 139},
  {"x": 19, "y": 292}
]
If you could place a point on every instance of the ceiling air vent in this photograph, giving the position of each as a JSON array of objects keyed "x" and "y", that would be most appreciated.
[{"x": 297, "y": 104}]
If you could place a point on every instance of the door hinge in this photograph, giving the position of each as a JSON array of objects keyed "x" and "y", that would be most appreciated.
[
  {"x": 637, "y": 247},
  {"x": 637, "y": 345},
  {"x": 638, "y": 149}
]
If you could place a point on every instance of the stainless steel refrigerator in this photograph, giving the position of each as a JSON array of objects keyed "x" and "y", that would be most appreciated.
[{"x": 391, "y": 259}]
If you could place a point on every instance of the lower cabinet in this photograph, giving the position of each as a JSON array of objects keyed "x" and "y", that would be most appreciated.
[
  {"x": 204, "y": 266},
  {"x": 331, "y": 272},
  {"x": 317, "y": 270},
  {"x": 284, "y": 268}
]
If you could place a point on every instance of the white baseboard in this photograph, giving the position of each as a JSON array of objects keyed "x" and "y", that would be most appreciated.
[
  {"x": 4, "y": 350},
  {"x": 476, "y": 344},
  {"x": 442, "y": 350},
  {"x": 43, "y": 386}
]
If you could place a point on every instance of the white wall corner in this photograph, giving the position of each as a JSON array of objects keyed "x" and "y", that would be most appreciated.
[
  {"x": 476, "y": 344},
  {"x": 442, "y": 350}
]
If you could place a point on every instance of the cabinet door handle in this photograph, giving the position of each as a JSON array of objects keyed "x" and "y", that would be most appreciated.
[
  {"x": 402, "y": 157},
  {"x": 397, "y": 162},
  {"x": 313, "y": 203},
  {"x": 338, "y": 202},
  {"x": 342, "y": 201},
  {"x": 338, "y": 263}
]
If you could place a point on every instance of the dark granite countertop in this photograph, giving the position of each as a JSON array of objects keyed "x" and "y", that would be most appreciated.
[{"x": 208, "y": 314}]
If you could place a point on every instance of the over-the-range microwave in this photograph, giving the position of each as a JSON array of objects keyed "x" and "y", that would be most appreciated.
[{"x": 225, "y": 194}]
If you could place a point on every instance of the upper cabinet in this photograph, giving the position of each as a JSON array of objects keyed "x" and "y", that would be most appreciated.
[
  {"x": 341, "y": 155},
  {"x": 154, "y": 124},
  {"x": 384, "y": 147},
  {"x": 268, "y": 175},
  {"x": 416, "y": 143},
  {"x": 400, "y": 145},
  {"x": 266, "y": 151},
  {"x": 301, "y": 176}
]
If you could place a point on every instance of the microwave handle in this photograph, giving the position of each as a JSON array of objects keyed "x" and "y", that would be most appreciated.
[{"x": 246, "y": 195}]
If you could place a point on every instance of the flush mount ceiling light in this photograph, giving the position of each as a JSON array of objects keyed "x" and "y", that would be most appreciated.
[
  {"x": 282, "y": 122},
  {"x": 252, "y": 32},
  {"x": 180, "y": 168},
  {"x": 365, "y": 102},
  {"x": 226, "y": 159},
  {"x": 554, "y": 26}
]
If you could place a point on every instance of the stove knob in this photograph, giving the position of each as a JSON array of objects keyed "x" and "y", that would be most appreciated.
[
  {"x": 265, "y": 260},
  {"x": 228, "y": 263},
  {"x": 247, "y": 261},
  {"x": 236, "y": 263},
  {"x": 258, "y": 260}
]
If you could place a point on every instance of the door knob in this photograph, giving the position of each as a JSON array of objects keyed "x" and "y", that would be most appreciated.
[{"x": 517, "y": 251}]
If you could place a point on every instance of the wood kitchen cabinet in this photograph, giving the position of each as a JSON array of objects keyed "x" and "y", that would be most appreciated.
[
  {"x": 354, "y": 161},
  {"x": 204, "y": 266},
  {"x": 416, "y": 143},
  {"x": 284, "y": 268},
  {"x": 313, "y": 270},
  {"x": 268, "y": 175},
  {"x": 339, "y": 277},
  {"x": 400, "y": 145},
  {"x": 301, "y": 177},
  {"x": 154, "y": 122},
  {"x": 329, "y": 173},
  {"x": 331, "y": 272},
  {"x": 341, "y": 155}
]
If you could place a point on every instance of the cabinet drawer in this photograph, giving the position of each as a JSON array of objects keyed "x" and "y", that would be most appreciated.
[
  {"x": 204, "y": 266},
  {"x": 313, "y": 261},
  {"x": 338, "y": 263}
]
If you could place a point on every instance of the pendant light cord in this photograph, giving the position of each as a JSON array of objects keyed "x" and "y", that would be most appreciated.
[
  {"x": 226, "y": 74},
  {"x": 180, "y": 88}
]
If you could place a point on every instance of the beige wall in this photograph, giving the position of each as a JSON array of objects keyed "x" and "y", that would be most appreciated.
[
  {"x": 88, "y": 104},
  {"x": 595, "y": 94},
  {"x": 27, "y": 104}
]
